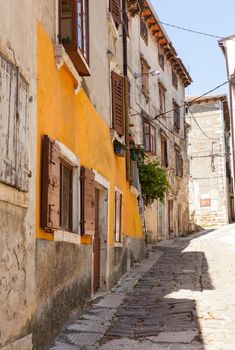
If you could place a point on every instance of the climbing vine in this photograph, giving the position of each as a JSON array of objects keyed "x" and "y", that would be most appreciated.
[{"x": 154, "y": 181}]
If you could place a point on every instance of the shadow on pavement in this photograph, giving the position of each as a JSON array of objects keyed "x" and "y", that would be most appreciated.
[{"x": 149, "y": 310}]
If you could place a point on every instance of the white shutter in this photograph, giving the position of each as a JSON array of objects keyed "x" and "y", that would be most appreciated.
[
  {"x": 8, "y": 86},
  {"x": 22, "y": 137}
]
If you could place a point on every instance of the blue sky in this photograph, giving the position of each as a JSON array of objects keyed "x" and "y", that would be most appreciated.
[{"x": 200, "y": 54}]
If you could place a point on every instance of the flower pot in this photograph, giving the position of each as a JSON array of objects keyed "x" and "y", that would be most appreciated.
[{"x": 119, "y": 149}]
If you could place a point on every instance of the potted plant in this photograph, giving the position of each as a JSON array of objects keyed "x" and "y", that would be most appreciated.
[{"x": 119, "y": 149}]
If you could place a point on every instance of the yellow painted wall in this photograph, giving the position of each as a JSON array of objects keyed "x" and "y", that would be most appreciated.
[{"x": 74, "y": 121}]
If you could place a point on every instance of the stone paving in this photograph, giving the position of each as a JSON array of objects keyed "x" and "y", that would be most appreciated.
[{"x": 181, "y": 297}]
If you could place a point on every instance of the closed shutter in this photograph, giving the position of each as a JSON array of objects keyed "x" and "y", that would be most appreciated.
[
  {"x": 87, "y": 201},
  {"x": 8, "y": 88},
  {"x": 117, "y": 101},
  {"x": 22, "y": 137},
  {"x": 50, "y": 200},
  {"x": 115, "y": 9}
]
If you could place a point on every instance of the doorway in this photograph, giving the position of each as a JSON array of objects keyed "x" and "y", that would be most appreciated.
[
  {"x": 100, "y": 240},
  {"x": 170, "y": 219}
]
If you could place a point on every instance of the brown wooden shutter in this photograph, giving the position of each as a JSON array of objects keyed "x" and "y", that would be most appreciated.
[
  {"x": 87, "y": 201},
  {"x": 115, "y": 9},
  {"x": 117, "y": 98},
  {"x": 50, "y": 200}
]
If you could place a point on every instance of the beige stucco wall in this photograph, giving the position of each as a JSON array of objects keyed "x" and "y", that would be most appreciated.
[{"x": 17, "y": 209}]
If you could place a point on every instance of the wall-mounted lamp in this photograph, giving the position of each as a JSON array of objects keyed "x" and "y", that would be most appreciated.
[{"x": 154, "y": 73}]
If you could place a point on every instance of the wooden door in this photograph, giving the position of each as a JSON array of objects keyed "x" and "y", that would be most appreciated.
[
  {"x": 96, "y": 244},
  {"x": 170, "y": 218}
]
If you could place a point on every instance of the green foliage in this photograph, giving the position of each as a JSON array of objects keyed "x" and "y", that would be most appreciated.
[{"x": 154, "y": 181}]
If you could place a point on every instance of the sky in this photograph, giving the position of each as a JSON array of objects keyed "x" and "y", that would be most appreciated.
[{"x": 200, "y": 54}]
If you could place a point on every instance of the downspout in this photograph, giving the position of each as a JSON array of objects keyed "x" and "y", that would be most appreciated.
[{"x": 126, "y": 92}]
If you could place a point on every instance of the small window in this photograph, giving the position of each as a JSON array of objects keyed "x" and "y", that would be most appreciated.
[
  {"x": 174, "y": 79},
  {"x": 145, "y": 77},
  {"x": 149, "y": 137},
  {"x": 164, "y": 154},
  {"x": 161, "y": 60},
  {"x": 74, "y": 32},
  {"x": 66, "y": 176},
  {"x": 178, "y": 163},
  {"x": 118, "y": 216},
  {"x": 205, "y": 202},
  {"x": 60, "y": 176},
  {"x": 162, "y": 98},
  {"x": 144, "y": 30},
  {"x": 176, "y": 116}
]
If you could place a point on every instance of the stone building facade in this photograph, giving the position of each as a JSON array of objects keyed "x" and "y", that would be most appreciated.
[
  {"x": 157, "y": 83},
  {"x": 209, "y": 150},
  {"x": 18, "y": 125}
]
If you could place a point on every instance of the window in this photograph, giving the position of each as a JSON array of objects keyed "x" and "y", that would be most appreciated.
[
  {"x": 176, "y": 116},
  {"x": 117, "y": 103},
  {"x": 14, "y": 96},
  {"x": 178, "y": 163},
  {"x": 161, "y": 60},
  {"x": 205, "y": 202},
  {"x": 66, "y": 178},
  {"x": 149, "y": 137},
  {"x": 74, "y": 32},
  {"x": 174, "y": 79},
  {"x": 162, "y": 98},
  {"x": 164, "y": 155},
  {"x": 60, "y": 187},
  {"x": 144, "y": 30},
  {"x": 118, "y": 216},
  {"x": 145, "y": 77},
  {"x": 115, "y": 9}
]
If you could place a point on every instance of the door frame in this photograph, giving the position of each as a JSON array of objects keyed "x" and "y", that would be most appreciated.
[{"x": 103, "y": 183}]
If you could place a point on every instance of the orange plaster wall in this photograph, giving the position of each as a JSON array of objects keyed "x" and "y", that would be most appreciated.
[{"x": 74, "y": 121}]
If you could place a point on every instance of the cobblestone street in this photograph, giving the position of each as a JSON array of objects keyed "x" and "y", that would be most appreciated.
[{"x": 180, "y": 297}]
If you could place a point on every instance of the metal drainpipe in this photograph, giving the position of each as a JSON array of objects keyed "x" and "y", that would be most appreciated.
[{"x": 126, "y": 88}]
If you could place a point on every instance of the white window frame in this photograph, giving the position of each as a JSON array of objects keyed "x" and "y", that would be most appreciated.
[
  {"x": 62, "y": 235},
  {"x": 120, "y": 242}
]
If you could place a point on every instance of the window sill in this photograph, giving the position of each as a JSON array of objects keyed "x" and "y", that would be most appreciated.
[
  {"x": 65, "y": 236},
  {"x": 13, "y": 196},
  {"x": 115, "y": 137},
  {"x": 135, "y": 191},
  {"x": 118, "y": 244},
  {"x": 62, "y": 58}
]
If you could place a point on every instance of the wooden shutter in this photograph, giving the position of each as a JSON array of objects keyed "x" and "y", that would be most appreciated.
[
  {"x": 50, "y": 200},
  {"x": 117, "y": 101},
  {"x": 115, "y": 9},
  {"x": 22, "y": 136},
  {"x": 87, "y": 201},
  {"x": 8, "y": 88}
]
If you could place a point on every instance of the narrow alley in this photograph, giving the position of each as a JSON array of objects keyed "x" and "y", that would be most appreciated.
[{"x": 180, "y": 297}]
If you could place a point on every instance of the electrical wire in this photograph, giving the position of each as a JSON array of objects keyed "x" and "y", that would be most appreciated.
[
  {"x": 191, "y": 30},
  {"x": 193, "y": 100},
  {"x": 211, "y": 138}
]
